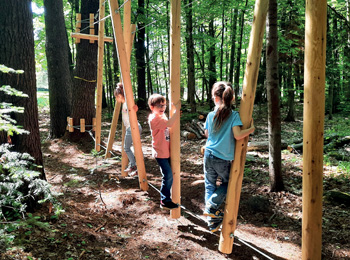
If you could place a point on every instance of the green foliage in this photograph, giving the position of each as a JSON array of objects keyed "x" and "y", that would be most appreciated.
[{"x": 19, "y": 181}]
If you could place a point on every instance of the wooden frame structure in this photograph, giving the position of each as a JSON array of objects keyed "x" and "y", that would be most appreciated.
[{"x": 315, "y": 52}]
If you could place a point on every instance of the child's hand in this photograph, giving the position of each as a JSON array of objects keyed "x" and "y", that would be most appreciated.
[
  {"x": 136, "y": 108},
  {"x": 177, "y": 105},
  {"x": 252, "y": 124}
]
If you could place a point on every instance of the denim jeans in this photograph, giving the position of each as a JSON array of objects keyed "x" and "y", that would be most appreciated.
[
  {"x": 167, "y": 178},
  {"x": 128, "y": 144},
  {"x": 215, "y": 167}
]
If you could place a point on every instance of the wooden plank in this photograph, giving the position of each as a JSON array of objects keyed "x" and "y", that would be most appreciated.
[
  {"x": 78, "y": 26},
  {"x": 113, "y": 129},
  {"x": 89, "y": 37},
  {"x": 125, "y": 71},
  {"x": 175, "y": 59},
  {"x": 94, "y": 124},
  {"x": 313, "y": 132},
  {"x": 92, "y": 30},
  {"x": 246, "y": 111},
  {"x": 82, "y": 125},
  {"x": 70, "y": 123},
  {"x": 101, "y": 32}
]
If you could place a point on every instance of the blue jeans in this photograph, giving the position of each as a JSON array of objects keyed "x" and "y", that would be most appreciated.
[
  {"x": 215, "y": 167},
  {"x": 128, "y": 144},
  {"x": 167, "y": 178}
]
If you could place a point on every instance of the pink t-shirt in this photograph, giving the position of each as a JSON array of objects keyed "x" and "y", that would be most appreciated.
[{"x": 160, "y": 136}]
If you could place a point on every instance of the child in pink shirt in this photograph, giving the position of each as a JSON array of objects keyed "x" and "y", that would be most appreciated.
[{"x": 159, "y": 123}]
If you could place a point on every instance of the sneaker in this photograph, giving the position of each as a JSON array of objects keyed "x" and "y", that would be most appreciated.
[
  {"x": 214, "y": 226},
  {"x": 133, "y": 173},
  {"x": 130, "y": 169},
  {"x": 168, "y": 205},
  {"x": 214, "y": 213}
]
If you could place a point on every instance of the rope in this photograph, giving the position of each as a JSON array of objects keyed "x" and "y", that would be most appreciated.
[{"x": 91, "y": 81}]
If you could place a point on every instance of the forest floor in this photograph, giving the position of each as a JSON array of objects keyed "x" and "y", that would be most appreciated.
[{"x": 107, "y": 216}]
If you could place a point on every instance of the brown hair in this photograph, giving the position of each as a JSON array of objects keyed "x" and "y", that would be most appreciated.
[
  {"x": 223, "y": 90},
  {"x": 119, "y": 90},
  {"x": 155, "y": 99}
]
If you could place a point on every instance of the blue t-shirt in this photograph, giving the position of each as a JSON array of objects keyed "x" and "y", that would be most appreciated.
[{"x": 222, "y": 142}]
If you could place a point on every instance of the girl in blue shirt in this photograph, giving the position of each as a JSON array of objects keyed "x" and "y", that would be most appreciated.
[{"x": 222, "y": 128}]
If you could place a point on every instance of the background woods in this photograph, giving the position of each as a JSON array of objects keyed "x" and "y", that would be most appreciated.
[{"x": 60, "y": 78}]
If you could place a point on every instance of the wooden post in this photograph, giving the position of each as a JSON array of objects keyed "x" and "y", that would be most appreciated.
[
  {"x": 125, "y": 71},
  {"x": 314, "y": 109},
  {"x": 92, "y": 29},
  {"x": 77, "y": 27},
  {"x": 111, "y": 135},
  {"x": 245, "y": 111},
  {"x": 101, "y": 32},
  {"x": 82, "y": 125},
  {"x": 175, "y": 36},
  {"x": 70, "y": 123}
]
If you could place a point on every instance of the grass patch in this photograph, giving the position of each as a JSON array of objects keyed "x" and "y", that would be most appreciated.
[{"x": 43, "y": 98}]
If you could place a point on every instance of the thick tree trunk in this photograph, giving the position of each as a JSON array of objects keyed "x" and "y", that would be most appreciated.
[
  {"x": 85, "y": 80},
  {"x": 60, "y": 81},
  {"x": 273, "y": 97},
  {"x": 140, "y": 57},
  {"x": 190, "y": 59},
  {"x": 17, "y": 52}
]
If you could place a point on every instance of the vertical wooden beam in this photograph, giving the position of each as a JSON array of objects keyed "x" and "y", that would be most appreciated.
[
  {"x": 175, "y": 37},
  {"x": 70, "y": 123},
  {"x": 78, "y": 26},
  {"x": 113, "y": 129},
  {"x": 94, "y": 124},
  {"x": 101, "y": 32},
  {"x": 92, "y": 29},
  {"x": 125, "y": 71},
  {"x": 82, "y": 125},
  {"x": 245, "y": 112},
  {"x": 314, "y": 109}
]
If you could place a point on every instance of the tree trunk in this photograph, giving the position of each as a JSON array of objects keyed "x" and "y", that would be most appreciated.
[
  {"x": 273, "y": 97},
  {"x": 60, "y": 81},
  {"x": 85, "y": 80},
  {"x": 291, "y": 110},
  {"x": 222, "y": 40},
  {"x": 17, "y": 52},
  {"x": 233, "y": 44},
  {"x": 212, "y": 60},
  {"x": 239, "y": 51},
  {"x": 148, "y": 62},
  {"x": 140, "y": 57},
  {"x": 190, "y": 59}
]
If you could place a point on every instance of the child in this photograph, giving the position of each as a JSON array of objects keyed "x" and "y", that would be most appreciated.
[
  {"x": 159, "y": 124},
  {"x": 222, "y": 127},
  {"x": 119, "y": 96}
]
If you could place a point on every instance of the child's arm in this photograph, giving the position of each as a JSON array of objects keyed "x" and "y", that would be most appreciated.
[
  {"x": 176, "y": 114},
  {"x": 239, "y": 134}
]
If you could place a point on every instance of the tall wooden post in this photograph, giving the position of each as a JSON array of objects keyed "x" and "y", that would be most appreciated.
[
  {"x": 245, "y": 112},
  {"x": 101, "y": 32},
  {"x": 175, "y": 15},
  {"x": 314, "y": 109},
  {"x": 125, "y": 71}
]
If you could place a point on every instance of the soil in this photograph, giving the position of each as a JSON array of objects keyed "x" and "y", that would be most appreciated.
[{"x": 107, "y": 216}]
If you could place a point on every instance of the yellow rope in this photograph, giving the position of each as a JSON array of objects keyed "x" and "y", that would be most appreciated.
[{"x": 76, "y": 77}]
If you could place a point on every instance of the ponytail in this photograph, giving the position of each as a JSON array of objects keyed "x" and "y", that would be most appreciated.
[
  {"x": 119, "y": 90},
  {"x": 224, "y": 91}
]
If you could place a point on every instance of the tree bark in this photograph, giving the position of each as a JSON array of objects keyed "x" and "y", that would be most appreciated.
[
  {"x": 140, "y": 57},
  {"x": 212, "y": 60},
  {"x": 85, "y": 79},
  {"x": 60, "y": 81},
  {"x": 273, "y": 97},
  {"x": 233, "y": 44},
  {"x": 17, "y": 52}
]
